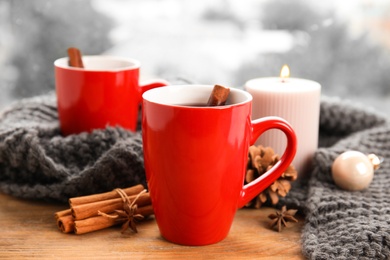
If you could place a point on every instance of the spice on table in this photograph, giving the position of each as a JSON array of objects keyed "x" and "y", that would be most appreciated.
[
  {"x": 83, "y": 215},
  {"x": 84, "y": 211},
  {"x": 129, "y": 213},
  {"x": 281, "y": 218},
  {"x": 218, "y": 96},
  {"x": 260, "y": 160}
]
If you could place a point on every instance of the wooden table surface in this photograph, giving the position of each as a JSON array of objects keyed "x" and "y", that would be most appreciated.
[{"x": 28, "y": 230}]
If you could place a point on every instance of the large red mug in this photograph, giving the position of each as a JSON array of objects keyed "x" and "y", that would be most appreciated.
[
  {"x": 106, "y": 92},
  {"x": 196, "y": 158}
]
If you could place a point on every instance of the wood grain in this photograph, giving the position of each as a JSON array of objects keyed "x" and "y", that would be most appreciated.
[{"x": 28, "y": 230}]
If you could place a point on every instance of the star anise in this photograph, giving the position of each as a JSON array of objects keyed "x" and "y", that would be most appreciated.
[
  {"x": 128, "y": 215},
  {"x": 281, "y": 218},
  {"x": 260, "y": 160}
]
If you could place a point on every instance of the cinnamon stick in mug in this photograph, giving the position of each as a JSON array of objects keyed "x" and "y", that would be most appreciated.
[
  {"x": 75, "y": 59},
  {"x": 218, "y": 96}
]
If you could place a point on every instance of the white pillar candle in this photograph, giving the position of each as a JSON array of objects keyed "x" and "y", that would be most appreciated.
[{"x": 298, "y": 102}]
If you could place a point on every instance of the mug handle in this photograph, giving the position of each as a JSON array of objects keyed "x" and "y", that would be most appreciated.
[
  {"x": 259, "y": 126},
  {"x": 153, "y": 83}
]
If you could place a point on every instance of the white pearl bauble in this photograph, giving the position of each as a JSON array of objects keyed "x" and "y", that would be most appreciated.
[{"x": 352, "y": 171}]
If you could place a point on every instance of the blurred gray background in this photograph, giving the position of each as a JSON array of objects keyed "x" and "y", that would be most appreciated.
[{"x": 344, "y": 45}]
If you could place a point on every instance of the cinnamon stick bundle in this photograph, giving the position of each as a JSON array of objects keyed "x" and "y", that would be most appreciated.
[
  {"x": 84, "y": 211},
  {"x": 83, "y": 215},
  {"x": 67, "y": 224}
]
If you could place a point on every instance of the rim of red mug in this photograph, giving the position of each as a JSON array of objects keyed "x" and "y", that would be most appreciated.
[
  {"x": 131, "y": 63},
  {"x": 247, "y": 97}
]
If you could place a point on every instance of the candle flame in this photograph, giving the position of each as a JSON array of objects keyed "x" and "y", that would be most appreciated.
[{"x": 284, "y": 72}]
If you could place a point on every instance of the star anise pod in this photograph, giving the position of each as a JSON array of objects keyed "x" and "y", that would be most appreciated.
[
  {"x": 261, "y": 159},
  {"x": 281, "y": 218},
  {"x": 126, "y": 216}
]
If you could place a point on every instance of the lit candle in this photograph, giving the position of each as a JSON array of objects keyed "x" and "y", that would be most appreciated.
[{"x": 295, "y": 100}]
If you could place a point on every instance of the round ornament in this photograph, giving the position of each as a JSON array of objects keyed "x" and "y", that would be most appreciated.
[{"x": 353, "y": 170}]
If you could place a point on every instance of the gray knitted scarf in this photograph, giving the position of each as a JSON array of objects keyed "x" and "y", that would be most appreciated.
[{"x": 36, "y": 162}]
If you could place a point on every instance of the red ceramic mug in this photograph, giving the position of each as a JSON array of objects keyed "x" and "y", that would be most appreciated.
[
  {"x": 106, "y": 92},
  {"x": 196, "y": 157}
]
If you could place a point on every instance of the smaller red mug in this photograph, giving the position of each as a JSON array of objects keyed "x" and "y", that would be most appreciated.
[
  {"x": 196, "y": 157},
  {"x": 106, "y": 92}
]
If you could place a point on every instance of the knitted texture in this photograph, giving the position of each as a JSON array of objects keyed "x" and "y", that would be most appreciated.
[
  {"x": 342, "y": 224},
  {"x": 36, "y": 162}
]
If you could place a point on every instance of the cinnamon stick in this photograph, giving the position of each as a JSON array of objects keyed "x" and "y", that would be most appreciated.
[
  {"x": 105, "y": 196},
  {"x": 145, "y": 210},
  {"x": 88, "y": 210},
  {"x": 218, "y": 96},
  {"x": 93, "y": 224},
  {"x": 66, "y": 224},
  {"x": 62, "y": 213},
  {"x": 75, "y": 58}
]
